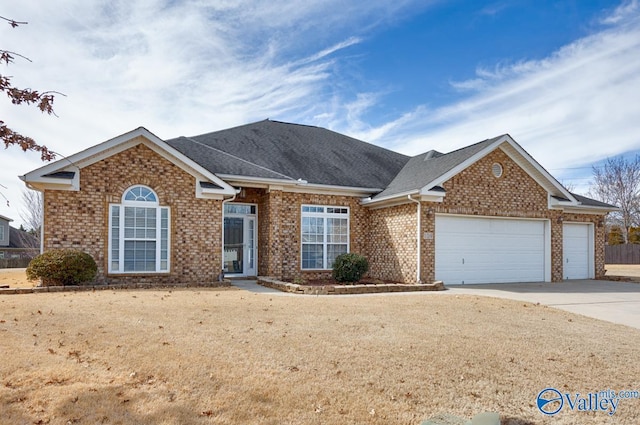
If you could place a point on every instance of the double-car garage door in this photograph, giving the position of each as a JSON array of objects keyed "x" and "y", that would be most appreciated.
[{"x": 498, "y": 250}]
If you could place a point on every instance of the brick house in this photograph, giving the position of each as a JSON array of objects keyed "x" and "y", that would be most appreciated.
[{"x": 283, "y": 200}]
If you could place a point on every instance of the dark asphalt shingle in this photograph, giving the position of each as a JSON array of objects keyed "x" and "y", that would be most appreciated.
[
  {"x": 283, "y": 151},
  {"x": 427, "y": 167},
  {"x": 592, "y": 202},
  {"x": 273, "y": 149}
]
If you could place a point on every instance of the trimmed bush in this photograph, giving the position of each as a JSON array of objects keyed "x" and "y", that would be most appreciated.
[
  {"x": 62, "y": 267},
  {"x": 350, "y": 267}
]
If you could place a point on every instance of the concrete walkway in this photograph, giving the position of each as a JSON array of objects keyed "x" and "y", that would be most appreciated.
[
  {"x": 252, "y": 286},
  {"x": 617, "y": 302}
]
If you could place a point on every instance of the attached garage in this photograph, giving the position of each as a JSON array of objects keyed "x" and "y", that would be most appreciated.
[
  {"x": 471, "y": 250},
  {"x": 577, "y": 248}
]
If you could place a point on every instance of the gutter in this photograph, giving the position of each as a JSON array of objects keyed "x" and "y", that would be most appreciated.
[
  {"x": 418, "y": 232},
  {"x": 368, "y": 201},
  {"x": 294, "y": 183}
]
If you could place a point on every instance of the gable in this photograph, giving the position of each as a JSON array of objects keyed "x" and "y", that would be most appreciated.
[
  {"x": 423, "y": 176},
  {"x": 476, "y": 187},
  {"x": 65, "y": 174},
  {"x": 137, "y": 165}
]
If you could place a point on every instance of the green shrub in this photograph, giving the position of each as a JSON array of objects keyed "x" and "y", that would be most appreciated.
[
  {"x": 350, "y": 267},
  {"x": 62, "y": 267}
]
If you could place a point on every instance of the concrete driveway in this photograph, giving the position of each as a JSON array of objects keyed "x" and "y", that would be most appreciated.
[{"x": 617, "y": 302}]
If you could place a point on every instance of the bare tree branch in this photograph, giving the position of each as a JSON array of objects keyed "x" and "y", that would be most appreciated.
[
  {"x": 42, "y": 100},
  {"x": 618, "y": 183},
  {"x": 31, "y": 215},
  {"x": 13, "y": 22}
]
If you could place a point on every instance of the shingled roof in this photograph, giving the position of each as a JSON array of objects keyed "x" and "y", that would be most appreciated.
[
  {"x": 21, "y": 239},
  {"x": 591, "y": 202},
  {"x": 427, "y": 167},
  {"x": 278, "y": 150}
]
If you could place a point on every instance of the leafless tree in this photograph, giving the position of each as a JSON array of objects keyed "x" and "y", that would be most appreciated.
[
  {"x": 31, "y": 215},
  {"x": 570, "y": 186},
  {"x": 617, "y": 182}
]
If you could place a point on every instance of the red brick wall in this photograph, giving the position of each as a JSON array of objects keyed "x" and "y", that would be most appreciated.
[
  {"x": 279, "y": 214},
  {"x": 386, "y": 236},
  {"x": 475, "y": 191},
  {"x": 80, "y": 219},
  {"x": 392, "y": 243}
]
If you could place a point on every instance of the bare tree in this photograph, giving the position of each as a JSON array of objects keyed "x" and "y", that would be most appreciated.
[
  {"x": 31, "y": 215},
  {"x": 618, "y": 183},
  {"x": 570, "y": 186},
  {"x": 42, "y": 100}
]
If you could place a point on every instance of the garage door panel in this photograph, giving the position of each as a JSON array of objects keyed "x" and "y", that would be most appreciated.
[
  {"x": 489, "y": 250},
  {"x": 576, "y": 250}
]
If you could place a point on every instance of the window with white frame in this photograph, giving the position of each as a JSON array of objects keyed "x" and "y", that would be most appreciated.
[
  {"x": 1, "y": 231},
  {"x": 325, "y": 235},
  {"x": 139, "y": 233}
]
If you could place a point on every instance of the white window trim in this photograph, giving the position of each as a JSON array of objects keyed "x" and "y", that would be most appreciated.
[
  {"x": 324, "y": 215},
  {"x": 1, "y": 232},
  {"x": 122, "y": 239}
]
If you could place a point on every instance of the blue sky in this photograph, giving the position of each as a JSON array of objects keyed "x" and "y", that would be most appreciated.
[{"x": 562, "y": 77}]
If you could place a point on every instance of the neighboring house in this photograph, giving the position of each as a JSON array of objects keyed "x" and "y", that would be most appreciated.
[
  {"x": 283, "y": 200},
  {"x": 4, "y": 231},
  {"x": 16, "y": 243}
]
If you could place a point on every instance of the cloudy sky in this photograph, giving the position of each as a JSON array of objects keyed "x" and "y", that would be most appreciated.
[{"x": 562, "y": 77}]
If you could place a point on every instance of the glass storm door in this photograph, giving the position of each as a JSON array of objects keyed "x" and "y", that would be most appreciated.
[
  {"x": 239, "y": 254},
  {"x": 233, "y": 245}
]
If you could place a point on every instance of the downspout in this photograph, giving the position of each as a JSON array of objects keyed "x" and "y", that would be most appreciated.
[
  {"x": 224, "y": 201},
  {"x": 418, "y": 232},
  {"x": 42, "y": 224}
]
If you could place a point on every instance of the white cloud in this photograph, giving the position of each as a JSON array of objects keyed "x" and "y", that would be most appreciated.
[
  {"x": 188, "y": 67},
  {"x": 622, "y": 12},
  {"x": 175, "y": 67},
  {"x": 571, "y": 109}
]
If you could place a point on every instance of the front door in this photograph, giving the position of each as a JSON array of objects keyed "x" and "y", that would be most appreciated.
[{"x": 239, "y": 256}]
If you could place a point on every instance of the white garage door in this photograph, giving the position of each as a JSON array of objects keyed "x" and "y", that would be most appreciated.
[
  {"x": 576, "y": 246},
  {"x": 489, "y": 250}
]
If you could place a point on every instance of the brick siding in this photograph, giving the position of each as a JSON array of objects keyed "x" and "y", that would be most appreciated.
[
  {"x": 80, "y": 219},
  {"x": 387, "y": 236},
  {"x": 392, "y": 243},
  {"x": 475, "y": 191}
]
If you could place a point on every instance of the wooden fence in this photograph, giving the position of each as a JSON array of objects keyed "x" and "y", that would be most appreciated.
[
  {"x": 16, "y": 257},
  {"x": 622, "y": 254}
]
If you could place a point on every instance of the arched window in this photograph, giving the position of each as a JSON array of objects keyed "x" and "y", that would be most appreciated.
[
  {"x": 139, "y": 233},
  {"x": 140, "y": 194}
]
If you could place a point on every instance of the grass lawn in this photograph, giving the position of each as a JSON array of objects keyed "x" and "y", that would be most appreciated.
[
  {"x": 16, "y": 278},
  {"x": 226, "y": 356}
]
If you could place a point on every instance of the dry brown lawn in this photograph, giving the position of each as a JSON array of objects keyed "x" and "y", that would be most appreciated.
[
  {"x": 625, "y": 270},
  {"x": 16, "y": 278},
  {"x": 226, "y": 356}
]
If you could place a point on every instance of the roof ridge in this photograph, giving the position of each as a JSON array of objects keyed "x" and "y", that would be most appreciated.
[
  {"x": 492, "y": 139},
  {"x": 294, "y": 123},
  {"x": 235, "y": 157}
]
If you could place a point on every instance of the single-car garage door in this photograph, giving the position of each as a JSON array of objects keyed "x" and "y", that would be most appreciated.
[
  {"x": 489, "y": 250},
  {"x": 576, "y": 248}
]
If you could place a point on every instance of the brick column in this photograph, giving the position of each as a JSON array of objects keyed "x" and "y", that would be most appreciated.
[
  {"x": 274, "y": 243},
  {"x": 428, "y": 243}
]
